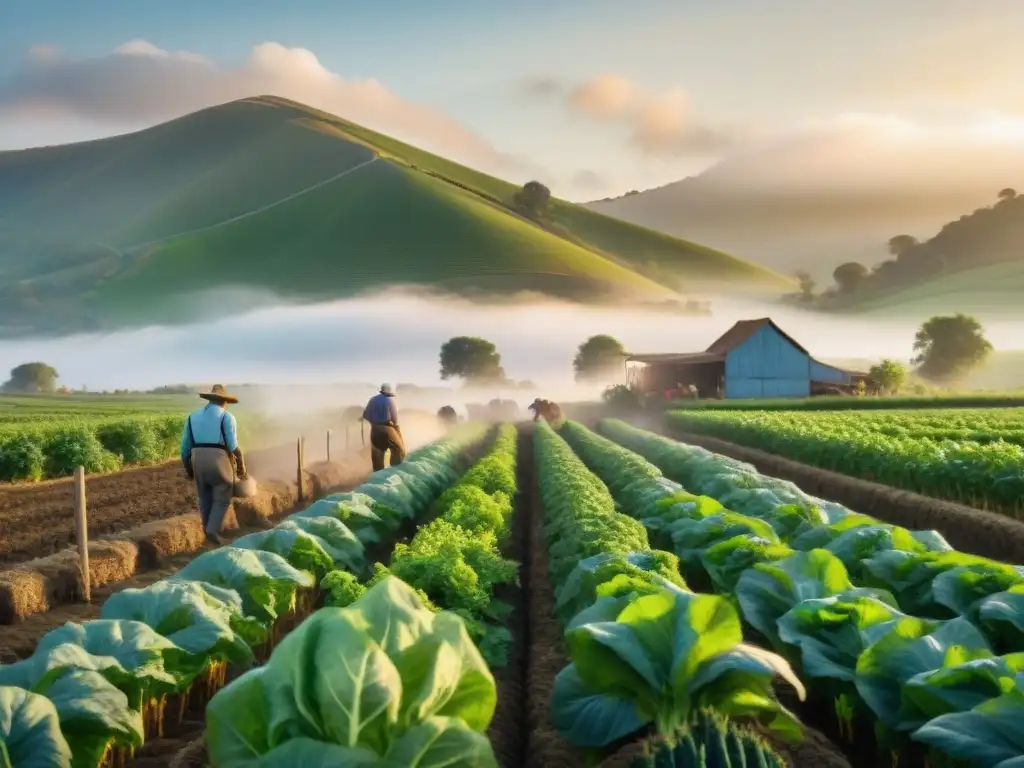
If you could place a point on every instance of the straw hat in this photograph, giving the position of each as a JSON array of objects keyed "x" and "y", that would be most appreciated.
[
  {"x": 387, "y": 389},
  {"x": 218, "y": 394}
]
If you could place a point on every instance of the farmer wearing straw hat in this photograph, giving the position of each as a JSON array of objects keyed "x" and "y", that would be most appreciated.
[
  {"x": 210, "y": 453},
  {"x": 385, "y": 434}
]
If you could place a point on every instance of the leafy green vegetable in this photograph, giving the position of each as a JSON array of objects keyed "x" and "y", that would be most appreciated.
[
  {"x": 342, "y": 588},
  {"x": 302, "y": 550},
  {"x": 665, "y": 656},
  {"x": 726, "y": 561},
  {"x": 988, "y": 735},
  {"x": 30, "y": 734},
  {"x": 370, "y": 681},
  {"x": 265, "y": 581},
  {"x": 832, "y": 632},
  {"x": 710, "y": 741},
  {"x": 911, "y": 647},
  {"x": 199, "y": 618}
]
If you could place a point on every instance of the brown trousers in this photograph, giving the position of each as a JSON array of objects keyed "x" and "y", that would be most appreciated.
[
  {"x": 215, "y": 483},
  {"x": 382, "y": 440}
]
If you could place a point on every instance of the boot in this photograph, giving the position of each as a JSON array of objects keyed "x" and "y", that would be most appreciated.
[{"x": 214, "y": 540}]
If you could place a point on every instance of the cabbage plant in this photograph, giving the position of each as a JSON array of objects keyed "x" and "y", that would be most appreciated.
[{"x": 383, "y": 682}]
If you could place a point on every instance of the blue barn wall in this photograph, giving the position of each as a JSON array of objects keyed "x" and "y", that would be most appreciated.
[
  {"x": 767, "y": 365},
  {"x": 826, "y": 373}
]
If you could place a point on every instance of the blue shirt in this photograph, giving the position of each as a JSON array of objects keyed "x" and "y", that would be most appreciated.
[
  {"x": 206, "y": 429},
  {"x": 381, "y": 409}
]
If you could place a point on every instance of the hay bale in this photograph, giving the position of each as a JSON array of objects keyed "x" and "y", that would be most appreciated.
[
  {"x": 22, "y": 593},
  {"x": 271, "y": 499},
  {"x": 38, "y": 585},
  {"x": 161, "y": 539}
]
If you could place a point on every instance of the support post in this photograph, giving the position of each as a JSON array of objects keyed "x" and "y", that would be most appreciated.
[
  {"x": 300, "y": 475},
  {"x": 82, "y": 533},
  {"x": 328, "y": 446}
]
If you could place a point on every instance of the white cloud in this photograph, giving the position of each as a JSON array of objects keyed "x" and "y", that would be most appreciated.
[
  {"x": 606, "y": 96},
  {"x": 659, "y": 124},
  {"x": 139, "y": 83}
]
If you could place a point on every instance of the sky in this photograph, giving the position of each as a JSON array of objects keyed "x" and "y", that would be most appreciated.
[{"x": 594, "y": 97}]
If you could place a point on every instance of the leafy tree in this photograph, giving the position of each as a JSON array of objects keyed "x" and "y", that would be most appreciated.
[
  {"x": 533, "y": 199},
  {"x": 599, "y": 357},
  {"x": 889, "y": 375},
  {"x": 472, "y": 359},
  {"x": 32, "y": 378},
  {"x": 900, "y": 244},
  {"x": 849, "y": 276},
  {"x": 949, "y": 347},
  {"x": 1007, "y": 194}
]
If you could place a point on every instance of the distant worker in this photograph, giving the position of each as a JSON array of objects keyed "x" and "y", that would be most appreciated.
[
  {"x": 547, "y": 410},
  {"x": 385, "y": 434},
  {"x": 212, "y": 458}
]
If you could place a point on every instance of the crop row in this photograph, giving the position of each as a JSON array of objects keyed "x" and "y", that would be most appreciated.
[
  {"x": 892, "y": 626},
  {"x": 986, "y": 475},
  {"x": 93, "y": 692},
  {"x": 647, "y": 655},
  {"x": 902, "y": 402},
  {"x": 54, "y": 447}
]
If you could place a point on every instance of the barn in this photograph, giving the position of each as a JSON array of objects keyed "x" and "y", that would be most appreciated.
[{"x": 754, "y": 358}]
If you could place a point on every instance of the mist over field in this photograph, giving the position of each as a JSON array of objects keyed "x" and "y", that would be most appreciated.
[{"x": 397, "y": 339}]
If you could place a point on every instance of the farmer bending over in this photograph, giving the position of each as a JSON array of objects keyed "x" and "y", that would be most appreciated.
[
  {"x": 385, "y": 435},
  {"x": 210, "y": 453}
]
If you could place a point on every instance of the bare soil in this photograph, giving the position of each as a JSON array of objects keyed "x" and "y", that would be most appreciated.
[{"x": 38, "y": 520}]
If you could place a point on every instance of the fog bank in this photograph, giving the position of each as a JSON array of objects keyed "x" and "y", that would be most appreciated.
[{"x": 398, "y": 339}]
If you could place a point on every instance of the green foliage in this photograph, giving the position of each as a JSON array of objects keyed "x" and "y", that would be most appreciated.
[
  {"x": 472, "y": 359},
  {"x": 30, "y": 731},
  {"x": 948, "y": 347},
  {"x": 599, "y": 358},
  {"x": 342, "y": 588},
  {"x": 384, "y": 681},
  {"x": 132, "y": 440},
  {"x": 31, "y": 378},
  {"x": 889, "y": 375},
  {"x": 533, "y": 200},
  {"x": 21, "y": 458},
  {"x": 74, "y": 447},
  {"x": 972, "y": 457},
  {"x": 710, "y": 741}
]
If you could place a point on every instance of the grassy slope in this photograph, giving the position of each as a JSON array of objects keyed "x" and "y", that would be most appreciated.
[
  {"x": 379, "y": 225},
  {"x": 989, "y": 290}
]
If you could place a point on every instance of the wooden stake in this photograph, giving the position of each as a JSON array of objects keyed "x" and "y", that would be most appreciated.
[
  {"x": 328, "y": 446},
  {"x": 301, "y": 476},
  {"x": 82, "y": 532}
]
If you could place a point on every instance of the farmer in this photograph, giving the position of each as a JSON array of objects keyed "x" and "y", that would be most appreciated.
[
  {"x": 385, "y": 434},
  {"x": 210, "y": 453}
]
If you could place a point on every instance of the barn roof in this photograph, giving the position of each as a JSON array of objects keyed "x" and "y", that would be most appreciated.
[
  {"x": 742, "y": 331},
  {"x": 684, "y": 358}
]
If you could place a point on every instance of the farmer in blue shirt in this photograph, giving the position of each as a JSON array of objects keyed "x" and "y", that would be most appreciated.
[
  {"x": 211, "y": 456},
  {"x": 385, "y": 434}
]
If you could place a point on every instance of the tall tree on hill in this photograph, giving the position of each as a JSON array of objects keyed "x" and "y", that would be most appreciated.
[
  {"x": 889, "y": 375},
  {"x": 1007, "y": 194},
  {"x": 900, "y": 244},
  {"x": 472, "y": 359},
  {"x": 533, "y": 200},
  {"x": 32, "y": 378},
  {"x": 849, "y": 276},
  {"x": 949, "y": 347},
  {"x": 599, "y": 358}
]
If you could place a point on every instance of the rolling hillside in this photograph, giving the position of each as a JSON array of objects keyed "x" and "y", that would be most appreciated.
[{"x": 271, "y": 195}]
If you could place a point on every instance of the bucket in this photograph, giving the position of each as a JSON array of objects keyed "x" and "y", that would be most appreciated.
[{"x": 244, "y": 489}]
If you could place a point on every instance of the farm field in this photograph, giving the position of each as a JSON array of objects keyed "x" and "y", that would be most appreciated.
[
  {"x": 582, "y": 591},
  {"x": 831, "y": 403},
  {"x": 970, "y": 456}
]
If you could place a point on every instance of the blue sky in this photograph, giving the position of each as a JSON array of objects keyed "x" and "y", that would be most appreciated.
[{"x": 733, "y": 69}]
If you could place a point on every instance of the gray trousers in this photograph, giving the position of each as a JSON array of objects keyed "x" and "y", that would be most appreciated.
[{"x": 215, "y": 482}]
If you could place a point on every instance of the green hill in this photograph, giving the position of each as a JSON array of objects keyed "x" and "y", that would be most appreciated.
[{"x": 267, "y": 194}]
